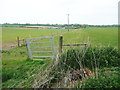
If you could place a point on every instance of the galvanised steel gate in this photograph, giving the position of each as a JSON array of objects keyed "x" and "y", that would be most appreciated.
[{"x": 41, "y": 48}]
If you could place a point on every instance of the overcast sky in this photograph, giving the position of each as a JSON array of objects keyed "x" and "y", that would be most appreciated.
[{"x": 96, "y": 12}]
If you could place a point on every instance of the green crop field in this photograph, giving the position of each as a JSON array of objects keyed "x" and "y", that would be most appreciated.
[{"x": 15, "y": 59}]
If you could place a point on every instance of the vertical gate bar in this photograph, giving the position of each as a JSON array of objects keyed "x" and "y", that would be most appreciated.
[
  {"x": 51, "y": 40},
  {"x": 54, "y": 48},
  {"x": 28, "y": 48}
]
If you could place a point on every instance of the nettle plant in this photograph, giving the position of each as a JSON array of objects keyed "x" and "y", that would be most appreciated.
[{"x": 90, "y": 57}]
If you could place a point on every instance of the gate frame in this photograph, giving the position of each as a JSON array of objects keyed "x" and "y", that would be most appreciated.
[{"x": 52, "y": 45}]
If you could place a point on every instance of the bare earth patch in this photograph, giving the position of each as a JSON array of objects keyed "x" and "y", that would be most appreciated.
[{"x": 8, "y": 46}]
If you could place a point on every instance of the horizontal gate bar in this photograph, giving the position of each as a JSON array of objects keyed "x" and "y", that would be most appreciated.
[
  {"x": 38, "y": 59},
  {"x": 39, "y": 42},
  {"x": 42, "y": 47},
  {"x": 41, "y": 51},
  {"x": 42, "y": 56},
  {"x": 38, "y": 38}
]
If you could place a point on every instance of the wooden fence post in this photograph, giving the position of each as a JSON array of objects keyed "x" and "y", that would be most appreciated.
[
  {"x": 18, "y": 41},
  {"x": 60, "y": 44}
]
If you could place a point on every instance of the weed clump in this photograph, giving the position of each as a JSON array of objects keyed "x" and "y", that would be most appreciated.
[
  {"x": 75, "y": 60},
  {"x": 89, "y": 57},
  {"x": 106, "y": 79}
]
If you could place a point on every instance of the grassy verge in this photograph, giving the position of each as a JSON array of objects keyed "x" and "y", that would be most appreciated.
[
  {"x": 17, "y": 71},
  {"x": 108, "y": 78},
  {"x": 20, "y": 72},
  {"x": 73, "y": 63}
]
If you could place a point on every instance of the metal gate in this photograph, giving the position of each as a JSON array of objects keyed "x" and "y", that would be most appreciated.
[{"x": 41, "y": 48}]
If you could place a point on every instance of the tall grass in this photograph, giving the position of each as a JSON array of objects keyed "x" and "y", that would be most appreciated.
[
  {"x": 17, "y": 70},
  {"x": 89, "y": 57},
  {"x": 74, "y": 60},
  {"x": 53, "y": 73},
  {"x": 108, "y": 78}
]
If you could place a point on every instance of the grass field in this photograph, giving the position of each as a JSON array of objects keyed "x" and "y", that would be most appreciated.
[
  {"x": 10, "y": 34},
  {"x": 15, "y": 59},
  {"x": 98, "y": 36},
  {"x": 103, "y": 36}
]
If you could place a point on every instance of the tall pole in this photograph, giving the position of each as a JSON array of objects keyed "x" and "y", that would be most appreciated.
[{"x": 68, "y": 22}]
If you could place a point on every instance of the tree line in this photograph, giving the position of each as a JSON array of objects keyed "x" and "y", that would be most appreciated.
[{"x": 55, "y": 25}]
